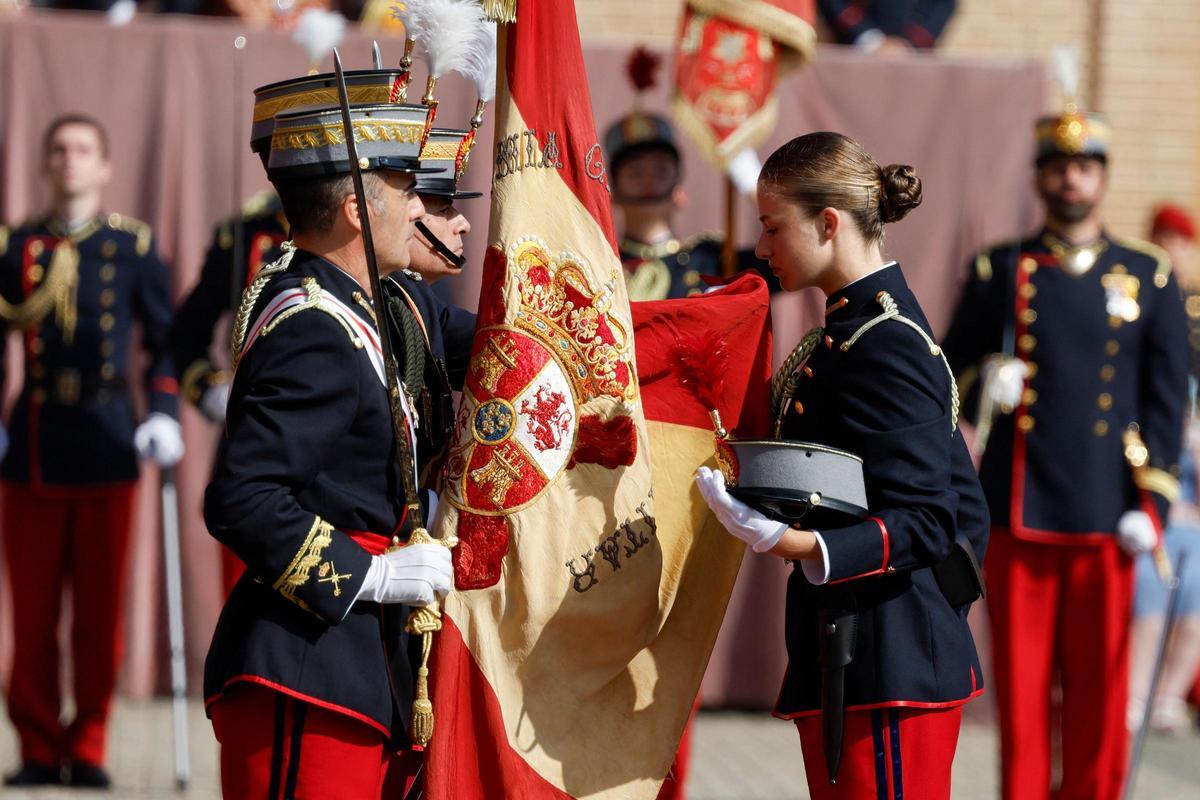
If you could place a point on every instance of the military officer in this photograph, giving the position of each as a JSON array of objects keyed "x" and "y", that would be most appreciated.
[
  {"x": 1074, "y": 343},
  {"x": 308, "y": 681},
  {"x": 890, "y": 24},
  {"x": 262, "y": 228},
  {"x": 74, "y": 282},
  {"x": 444, "y": 331}
]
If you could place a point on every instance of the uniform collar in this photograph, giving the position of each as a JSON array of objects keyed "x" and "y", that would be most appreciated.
[
  {"x": 857, "y": 294},
  {"x": 75, "y": 233}
]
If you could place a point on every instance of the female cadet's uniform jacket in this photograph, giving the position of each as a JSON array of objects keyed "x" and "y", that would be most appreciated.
[{"x": 883, "y": 391}]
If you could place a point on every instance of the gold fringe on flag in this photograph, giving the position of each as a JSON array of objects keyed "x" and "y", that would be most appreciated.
[{"x": 500, "y": 10}]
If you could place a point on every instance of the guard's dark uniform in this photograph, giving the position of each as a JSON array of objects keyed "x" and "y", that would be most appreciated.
[
  {"x": 263, "y": 229},
  {"x": 1105, "y": 349},
  {"x": 305, "y": 489},
  {"x": 71, "y": 467},
  {"x": 919, "y": 22},
  {"x": 677, "y": 268},
  {"x": 446, "y": 333},
  {"x": 877, "y": 387}
]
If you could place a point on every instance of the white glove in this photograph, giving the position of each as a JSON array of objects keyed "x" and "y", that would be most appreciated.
[
  {"x": 738, "y": 518},
  {"x": 1135, "y": 533},
  {"x": 412, "y": 575},
  {"x": 1005, "y": 379},
  {"x": 3, "y": 441},
  {"x": 215, "y": 400},
  {"x": 159, "y": 437}
]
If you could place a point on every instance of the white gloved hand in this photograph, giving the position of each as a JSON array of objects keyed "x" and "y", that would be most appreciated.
[
  {"x": 3, "y": 441},
  {"x": 159, "y": 437},
  {"x": 412, "y": 575},
  {"x": 214, "y": 401},
  {"x": 1005, "y": 379},
  {"x": 738, "y": 518},
  {"x": 1135, "y": 533}
]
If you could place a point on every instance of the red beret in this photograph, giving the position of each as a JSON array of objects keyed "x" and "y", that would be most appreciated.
[{"x": 1173, "y": 218}]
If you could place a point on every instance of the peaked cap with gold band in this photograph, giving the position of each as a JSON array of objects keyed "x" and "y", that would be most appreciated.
[
  {"x": 387, "y": 137},
  {"x": 445, "y": 155}
]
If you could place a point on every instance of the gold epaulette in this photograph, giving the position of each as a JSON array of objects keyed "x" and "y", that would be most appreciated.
[
  {"x": 692, "y": 242},
  {"x": 983, "y": 261},
  {"x": 1162, "y": 267},
  {"x": 250, "y": 298},
  {"x": 140, "y": 230},
  {"x": 259, "y": 204},
  {"x": 3, "y": 239}
]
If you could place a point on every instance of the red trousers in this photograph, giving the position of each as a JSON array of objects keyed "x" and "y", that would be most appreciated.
[
  {"x": 887, "y": 754},
  {"x": 673, "y": 787},
  {"x": 274, "y": 747},
  {"x": 75, "y": 536},
  {"x": 1060, "y": 612}
]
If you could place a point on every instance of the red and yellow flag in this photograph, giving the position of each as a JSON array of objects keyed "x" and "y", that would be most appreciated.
[
  {"x": 591, "y": 585},
  {"x": 727, "y": 61}
]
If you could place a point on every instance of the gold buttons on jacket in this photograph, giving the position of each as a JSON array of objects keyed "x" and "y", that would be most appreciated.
[
  {"x": 1104, "y": 401},
  {"x": 107, "y": 348},
  {"x": 36, "y": 248},
  {"x": 108, "y": 370},
  {"x": 106, "y": 321},
  {"x": 691, "y": 278},
  {"x": 1025, "y": 424},
  {"x": 1101, "y": 428},
  {"x": 36, "y": 272},
  {"x": 1160, "y": 279},
  {"x": 798, "y": 406},
  {"x": 1029, "y": 397},
  {"x": 1028, "y": 291},
  {"x": 1107, "y": 373},
  {"x": 1031, "y": 370},
  {"x": 1112, "y": 347},
  {"x": 107, "y": 298},
  {"x": 1026, "y": 343},
  {"x": 107, "y": 273},
  {"x": 1029, "y": 265},
  {"x": 1029, "y": 316},
  {"x": 108, "y": 249}
]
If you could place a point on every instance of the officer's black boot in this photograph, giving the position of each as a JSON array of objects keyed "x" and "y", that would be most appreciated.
[
  {"x": 89, "y": 776},
  {"x": 32, "y": 773}
]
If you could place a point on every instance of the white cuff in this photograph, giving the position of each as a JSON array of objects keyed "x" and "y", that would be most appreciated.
[{"x": 817, "y": 572}]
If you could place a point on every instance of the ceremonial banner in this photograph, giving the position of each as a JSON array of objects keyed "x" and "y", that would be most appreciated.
[
  {"x": 589, "y": 591},
  {"x": 726, "y": 65}
]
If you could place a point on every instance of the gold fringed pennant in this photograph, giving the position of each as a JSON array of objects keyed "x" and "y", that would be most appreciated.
[{"x": 500, "y": 10}]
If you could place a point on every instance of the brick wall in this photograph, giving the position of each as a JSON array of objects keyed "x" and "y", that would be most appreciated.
[{"x": 1141, "y": 67}]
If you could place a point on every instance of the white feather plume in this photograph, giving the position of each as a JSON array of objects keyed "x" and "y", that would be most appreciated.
[
  {"x": 400, "y": 11},
  {"x": 318, "y": 32},
  {"x": 445, "y": 30},
  {"x": 481, "y": 61},
  {"x": 1064, "y": 69}
]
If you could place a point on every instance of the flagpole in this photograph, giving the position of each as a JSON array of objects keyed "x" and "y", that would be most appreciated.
[{"x": 728, "y": 253}]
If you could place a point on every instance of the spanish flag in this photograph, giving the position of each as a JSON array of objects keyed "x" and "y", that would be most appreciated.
[{"x": 591, "y": 578}]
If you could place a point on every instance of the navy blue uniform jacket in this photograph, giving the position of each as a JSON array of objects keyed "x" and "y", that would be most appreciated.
[
  {"x": 308, "y": 457},
  {"x": 78, "y": 298},
  {"x": 887, "y": 398}
]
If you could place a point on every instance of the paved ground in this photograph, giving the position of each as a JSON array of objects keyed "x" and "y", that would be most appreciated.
[{"x": 737, "y": 757}]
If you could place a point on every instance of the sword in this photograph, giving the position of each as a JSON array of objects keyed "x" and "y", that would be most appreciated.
[
  {"x": 170, "y": 519},
  {"x": 428, "y": 620},
  {"x": 1139, "y": 742}
]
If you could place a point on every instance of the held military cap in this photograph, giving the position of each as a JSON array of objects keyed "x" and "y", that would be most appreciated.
[
  {"x": 311, "y": 144},
  {"x": 445, "y": 153},
  {"x": 1072, "y": 133},
  {"x": 319, "y": 92},
  {"x": 797, "y": 481}
]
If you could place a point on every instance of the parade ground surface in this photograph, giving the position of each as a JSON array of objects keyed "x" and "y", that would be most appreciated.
[{"x": 736, "y": 756}]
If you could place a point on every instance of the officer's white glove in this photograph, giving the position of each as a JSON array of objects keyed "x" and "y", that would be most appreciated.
[
  {"x": 738, "y": 518},
  {"x": 1135, "y": 533},
  {"x": 159, "y": 437},
  {"x": 412, "y": 575},
  {"x": 215, "y": 400},
  {"x": 3, "y": 441},
  {"x": 1005, "y": 380}
]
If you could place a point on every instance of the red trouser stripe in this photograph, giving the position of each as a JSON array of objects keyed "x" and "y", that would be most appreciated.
[
  {"x": 77, "y": 536},
  {"x": 887, "y": 754}
]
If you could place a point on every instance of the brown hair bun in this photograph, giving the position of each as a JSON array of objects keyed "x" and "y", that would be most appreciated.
[{"x": 901, "y": 192}]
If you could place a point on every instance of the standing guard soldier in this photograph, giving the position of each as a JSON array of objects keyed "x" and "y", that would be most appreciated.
[
  {"x": 263, "y": 228},
  {"x": 647, "y": 173},
  {"x": 308, "y": 680},
  {"x": 74, "y": 282},
  {"x": 1078, "y": 337}
]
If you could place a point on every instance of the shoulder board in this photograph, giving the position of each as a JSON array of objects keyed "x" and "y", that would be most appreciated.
[
  {"x": 3, "y": 239},
  {"x": 983, "y": 261},
  {"x": 140, "y": 230},
  {"x": 1162, "y": 262},
  {"x": 262, "y": 203}
]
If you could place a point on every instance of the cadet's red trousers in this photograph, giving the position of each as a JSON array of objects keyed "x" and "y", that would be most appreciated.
[
  {"x": 274, "y": 747},
  {"x": 1060, "y": 611},
  {"x": 887, "y": 754},
  {"x": 75, "y": 536}
]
